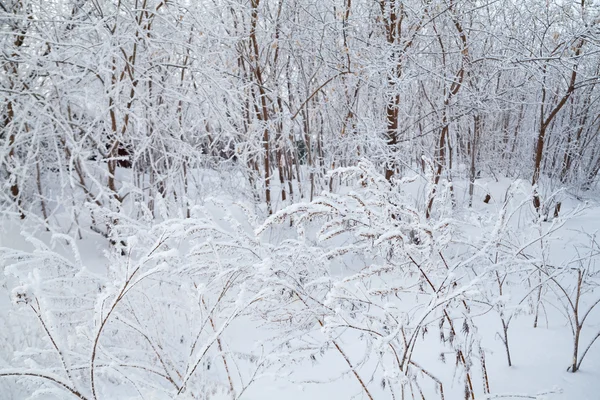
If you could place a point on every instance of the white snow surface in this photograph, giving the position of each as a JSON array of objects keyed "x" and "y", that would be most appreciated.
[{"x": 540, "y": 355}]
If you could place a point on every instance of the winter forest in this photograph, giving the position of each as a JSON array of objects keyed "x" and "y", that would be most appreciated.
[{"x": 300, "y": 199}]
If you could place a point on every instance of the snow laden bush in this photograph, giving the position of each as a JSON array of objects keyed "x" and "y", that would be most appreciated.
[
  {"x": 149, "y": 323},
  {"x": 370, "y": 284},
  {"x": 530, "y": 268},
  {"x": 379, "y": 271}
]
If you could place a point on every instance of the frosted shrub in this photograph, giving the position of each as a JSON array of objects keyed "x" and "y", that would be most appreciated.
[
  {"x": 150, "y": 324},
  {"x": 403, "y": 288}
]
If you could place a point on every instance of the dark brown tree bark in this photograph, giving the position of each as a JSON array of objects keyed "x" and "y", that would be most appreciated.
[
  {"x": 449, "y": 94},
  {"x": 546, "y": 120}
]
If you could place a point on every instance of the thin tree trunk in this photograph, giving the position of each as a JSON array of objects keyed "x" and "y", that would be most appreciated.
[
  {"x": 474, "y": 148},
  {"x": 545, "y": 122}
]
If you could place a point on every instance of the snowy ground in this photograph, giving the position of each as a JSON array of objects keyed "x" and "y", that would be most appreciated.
[{"x": 540, "y": 355}]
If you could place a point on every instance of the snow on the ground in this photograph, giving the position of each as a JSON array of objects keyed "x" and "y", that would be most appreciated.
[{"x": 540, "y": 355}]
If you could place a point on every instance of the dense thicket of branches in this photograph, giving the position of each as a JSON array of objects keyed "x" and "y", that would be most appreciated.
[
  {"x": 113, "y": 100},
  {"x": 121, "y": 118}
]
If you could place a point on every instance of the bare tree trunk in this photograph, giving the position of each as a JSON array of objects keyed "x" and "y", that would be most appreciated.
[
  {"x": 264, "y": 112},
  {"x": 474, "y": 149},
  {"x": 393, "y": 14},
  {"x": 545, "y": 122},
  {"x": 440, "y": 159},
  {"x": 577, "y": 324},
  {"x": 42, "y": 199},
  {"x": 505, "y": 341}
]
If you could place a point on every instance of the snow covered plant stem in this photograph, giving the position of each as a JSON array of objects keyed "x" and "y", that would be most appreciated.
[
  {"x": 586, "y": 284},
  {"x": 343, "y": 354},
  {"x": 220, "y": 346},
  {"x": 127, "y": 285},
  {"x": 394, "y": 283},
  {"x": 453, "y": 332},
  {"x": 69, "y": 384},
  {"x": 45, "y": 376},
  {"x": 576, "y": 287},
  {"x": 147, "y": 322}
]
